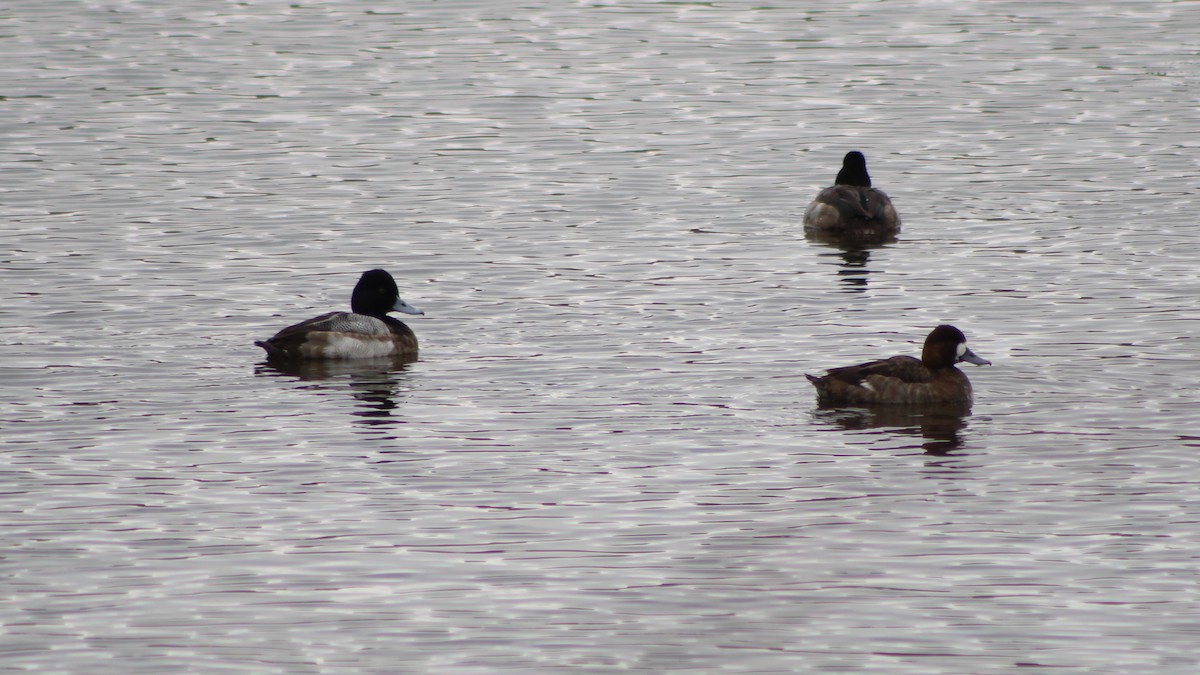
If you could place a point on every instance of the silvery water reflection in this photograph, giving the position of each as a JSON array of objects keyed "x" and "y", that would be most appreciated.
[
  {"x": 854, "y": 259},
  {"x": 607, "y": 457},
  {"x": 375, "y": 384}
]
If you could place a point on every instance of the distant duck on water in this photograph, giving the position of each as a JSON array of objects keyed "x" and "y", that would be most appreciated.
[
  {"x": 851, "y": 207},
  {"x": 362, "y": 333}
]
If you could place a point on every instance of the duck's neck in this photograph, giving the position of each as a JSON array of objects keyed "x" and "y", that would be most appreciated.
[{"x": 853, "y": 177}]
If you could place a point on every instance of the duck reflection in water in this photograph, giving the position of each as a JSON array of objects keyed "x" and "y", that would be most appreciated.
[
  {"x": 939, "y": 425},
  {"x": 853, "y": 263},
  {"x": 375, "y": 384}
]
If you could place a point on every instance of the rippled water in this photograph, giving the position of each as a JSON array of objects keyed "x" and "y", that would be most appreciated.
[{"x": 607, "y": 457}]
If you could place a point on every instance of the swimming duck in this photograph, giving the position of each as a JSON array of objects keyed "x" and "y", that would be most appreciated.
[
  {"x": 904, "y": 379},
  {"x": 364, "y": 332},
  {"x": 851, "y": 206}
]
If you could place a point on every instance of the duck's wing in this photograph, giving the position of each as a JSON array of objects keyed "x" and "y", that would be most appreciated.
[
  {"x": 904, "y": 369},
  {"x": 872, "y": 382},
  {"x": 336, "y": 322},
  {"x": 878, "y": 208},
  {"x": 851, "y": 207},
  {"x": 849, "y": 201}
]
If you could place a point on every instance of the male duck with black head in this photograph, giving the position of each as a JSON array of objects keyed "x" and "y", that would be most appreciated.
[
  {"x": 364, "y": 332},
  {"x": 851, "y": 207},
  {"x": 905, "y": 380}
]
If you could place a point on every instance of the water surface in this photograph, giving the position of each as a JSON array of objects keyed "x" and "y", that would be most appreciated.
[{"x": 607, "y": 457}]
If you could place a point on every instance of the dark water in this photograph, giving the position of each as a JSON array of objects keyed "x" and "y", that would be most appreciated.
[{"x": 607, "y": 457}]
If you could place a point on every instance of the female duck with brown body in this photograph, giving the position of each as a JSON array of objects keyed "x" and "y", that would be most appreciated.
[
  {"x": 904, "y": 379},
  {"x": 851, "y": 206},
  {"x": 362, "y": 333}
]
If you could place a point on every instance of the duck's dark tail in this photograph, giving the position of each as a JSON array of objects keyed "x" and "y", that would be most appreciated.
[{"x": 272, "y": 350}]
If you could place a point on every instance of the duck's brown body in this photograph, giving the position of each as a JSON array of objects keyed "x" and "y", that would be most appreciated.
[{"x": 903, "y": 379}]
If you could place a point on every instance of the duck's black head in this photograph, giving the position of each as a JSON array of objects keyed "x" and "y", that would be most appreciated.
[
  {"x": 854, "y": 170},
  {"x": 376, "y": 294}
]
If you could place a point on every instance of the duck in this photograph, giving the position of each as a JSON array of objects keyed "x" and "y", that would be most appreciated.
[
  {"x": 932, "y": 379},
  {"x": 366, "y": 331},
  {"x": 851, "y": 206}
]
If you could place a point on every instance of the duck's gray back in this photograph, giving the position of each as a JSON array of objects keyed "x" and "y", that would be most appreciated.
[{"x": 348, "y": 322}]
